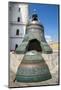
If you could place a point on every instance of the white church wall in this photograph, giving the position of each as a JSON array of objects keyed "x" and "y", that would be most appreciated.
[
  {"x": 13, "y": 29},
  {"x": 14, "y": 12},
  {"x": 13, "y": 42},
  {"x": 17, "y": 10}
]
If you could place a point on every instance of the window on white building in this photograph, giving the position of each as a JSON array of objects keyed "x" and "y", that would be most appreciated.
[
  {"x": 16, "y": 46},
  {"x": 18, "y": 19},
  {"x": 17, "y": 32},
  {"x": 10, "y": 8},
  {"x": 19, "y": 9}
]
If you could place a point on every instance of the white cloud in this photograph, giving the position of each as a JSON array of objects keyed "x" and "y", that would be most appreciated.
[{"x": 48, "y": 38}]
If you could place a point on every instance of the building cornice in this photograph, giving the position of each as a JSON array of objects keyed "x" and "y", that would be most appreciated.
[{"x": 16, "y": 37}]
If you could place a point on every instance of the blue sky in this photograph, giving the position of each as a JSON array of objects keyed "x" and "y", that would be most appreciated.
[{"x": 48, "y": 16}]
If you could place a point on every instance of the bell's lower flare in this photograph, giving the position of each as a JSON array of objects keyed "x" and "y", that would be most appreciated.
[{"x": 33, "y": 68}]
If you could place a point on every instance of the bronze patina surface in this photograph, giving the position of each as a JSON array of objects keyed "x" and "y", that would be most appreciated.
[
  {"x": 34, "y": 39},
  {"x": 33, "y": 68}
]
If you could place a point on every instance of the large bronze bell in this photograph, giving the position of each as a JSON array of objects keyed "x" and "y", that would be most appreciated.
[{"x": 33, "y": 67}]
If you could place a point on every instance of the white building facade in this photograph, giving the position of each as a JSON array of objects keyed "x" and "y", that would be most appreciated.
[{"x": 18, "y": 18}]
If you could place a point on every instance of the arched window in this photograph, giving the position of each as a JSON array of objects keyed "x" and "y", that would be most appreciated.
[
  {"x": 19, "y": 9},
  {"x": 10, "y": 7},
  {"x": 18, "y": 19},
  {"x": 16, "y": 46},
  {"x": 17, "y": 32}
]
